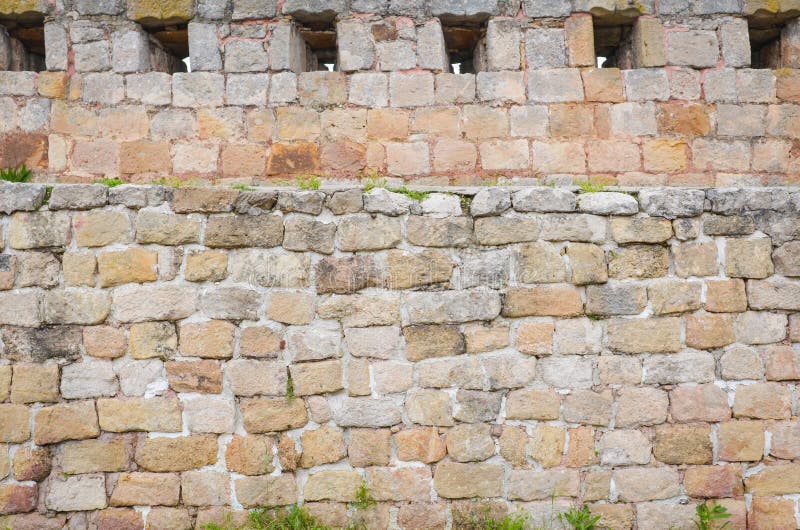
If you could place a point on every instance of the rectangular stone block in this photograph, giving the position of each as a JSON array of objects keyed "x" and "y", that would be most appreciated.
[
  {"x": 139, "y": 414},
  {"x": 503, "y": 37},
  {"x": 198, "y": 89},
  {"x": 696, "y": 48},
  {"x": 647, "y": 43},
  {"x": 579, "y": 32},
  {"x": 555, "y": 85},
  {"x": 66, "y": 421},
  {"x": 204, "y": 52}
]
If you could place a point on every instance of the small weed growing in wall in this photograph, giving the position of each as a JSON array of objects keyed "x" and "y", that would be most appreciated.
[
  {"x": 707, "y": 518},
  {"x": 298, "y": 518},
  {"x": 294, "y": 518},
  {"x": 308, "y": 182},
  {"x": 363, "y": 498},
  {"x": 373, "y": 180},
  {"x": 370, "y": 183},
  {"x": 590, "y": 187},
  {"x": 290, "y": 388},
  {"x": 514, "y": 521},
  {"x": 16, "y": 174},
  {"x": 580, "y": 519},
  {"x": 110, "y": 182},
  {"x": 172, "y": 182},
  {"x": 411, "y": 194},
  {"x": 242, "y": 187}
]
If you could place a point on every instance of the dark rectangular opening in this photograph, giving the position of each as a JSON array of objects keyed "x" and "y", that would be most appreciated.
[
  {"x": 320, "y": 38},
  {"x": 612, "y": 35},
  {"x": 22, "y": 43},
  {"x": 463, "y": 43},
  {"x": 170, "y": 50},
  {"x": 766, "y": 32}
]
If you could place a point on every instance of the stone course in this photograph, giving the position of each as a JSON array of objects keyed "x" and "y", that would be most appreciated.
[{"x": 202, "y": 351}]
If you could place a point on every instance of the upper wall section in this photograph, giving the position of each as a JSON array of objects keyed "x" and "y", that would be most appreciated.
[{"x": 440, "y": 91}]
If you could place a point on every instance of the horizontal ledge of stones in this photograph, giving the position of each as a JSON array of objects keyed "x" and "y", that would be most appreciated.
[
  {"x": 670, "y": 203},
  {"x": 177, "y": 10}
]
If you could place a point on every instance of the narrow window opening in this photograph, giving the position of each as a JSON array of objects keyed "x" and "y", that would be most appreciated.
[
  {"x": 321, "y": 49},
  {"x": 22, "y": 43},
  {"x": 766, "y": 35},
  {"x": 612, "y": 41},
  {"x": 170, "y": 50},
  {"x": 465, "y": 45}
]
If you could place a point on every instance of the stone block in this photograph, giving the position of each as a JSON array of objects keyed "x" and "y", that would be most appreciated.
[
  {"x": 450, "y": 480},
  {"x": 198, "y": 89},
  {"x": 356, "y": 45},
  {"x": 92, "y": 456},
  {"x": 503, "y": 37},
  {"x": 501, "y": 87},
  {"x": 545, "y": 48},
  {"x": 696, "y": 48},
  {"x": 411, "y": 89},
  {"x": 177, "y": 454},
  {"x": 262, "y": 415},
  {"x": 146, "y": 488},
  {"x": 642, "y": 484},
  {"x": 66, "y": 421},
  {"x": 396, "y": 55},
  {"x": 555, "y": 85},
  {"x": 579, "y": 32},
  {"x": 81, "y": 492},
  {"x": 322, "y": 89},
  {"x": 646, "y": 84}
]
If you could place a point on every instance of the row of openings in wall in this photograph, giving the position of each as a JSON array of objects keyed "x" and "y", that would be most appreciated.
[
  {"x": 320, "y": 40},
  {"x": 766, "y": 34},
  {"x": 22, "y": 45}
]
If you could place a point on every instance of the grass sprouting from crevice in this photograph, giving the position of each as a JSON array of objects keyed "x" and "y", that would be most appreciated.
[
  {"x": 110, "y": 182},
  {"x": 16, "y": 174}
]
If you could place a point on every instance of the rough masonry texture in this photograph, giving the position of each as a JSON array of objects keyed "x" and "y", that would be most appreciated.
[
  {"x": 170, "y": 357},
  {"x": 696, "y": 92}
]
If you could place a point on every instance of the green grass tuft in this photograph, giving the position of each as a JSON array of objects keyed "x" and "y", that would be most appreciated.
[
  {"x": 297, "y": 518},
  {"x": 706, "y": 517},
  {"x": 363, "y": 498},
  {"x": 48, "y": 191},
  {"x": 293, "y": 518},
  {"x": 16, "y": 174},
  {"x": 579, "y": 519},
  {"x": 371, "y": 183},
  {"x": 590, "y": 187},
  {"x": 110, "y": 182},
  {"x": 514, "y": 521},
  {"x": 411, "y": 194},
  {"x": 172, "y": 182},
  {"x": 290, "y": 387},
  {"x": 242, "y": 187},
  {"x": 308, "y": 182}
]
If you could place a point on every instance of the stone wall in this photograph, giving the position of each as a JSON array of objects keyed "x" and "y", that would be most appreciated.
[
  {"x": 701, "y": 93},
  {"x": 170, "y": 356}
]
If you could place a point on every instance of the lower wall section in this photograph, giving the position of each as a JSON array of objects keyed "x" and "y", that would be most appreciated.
[{"x": 171, "y": 357}]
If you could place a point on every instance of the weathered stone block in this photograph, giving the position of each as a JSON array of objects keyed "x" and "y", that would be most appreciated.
[{"x": 66, "y": 421}]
